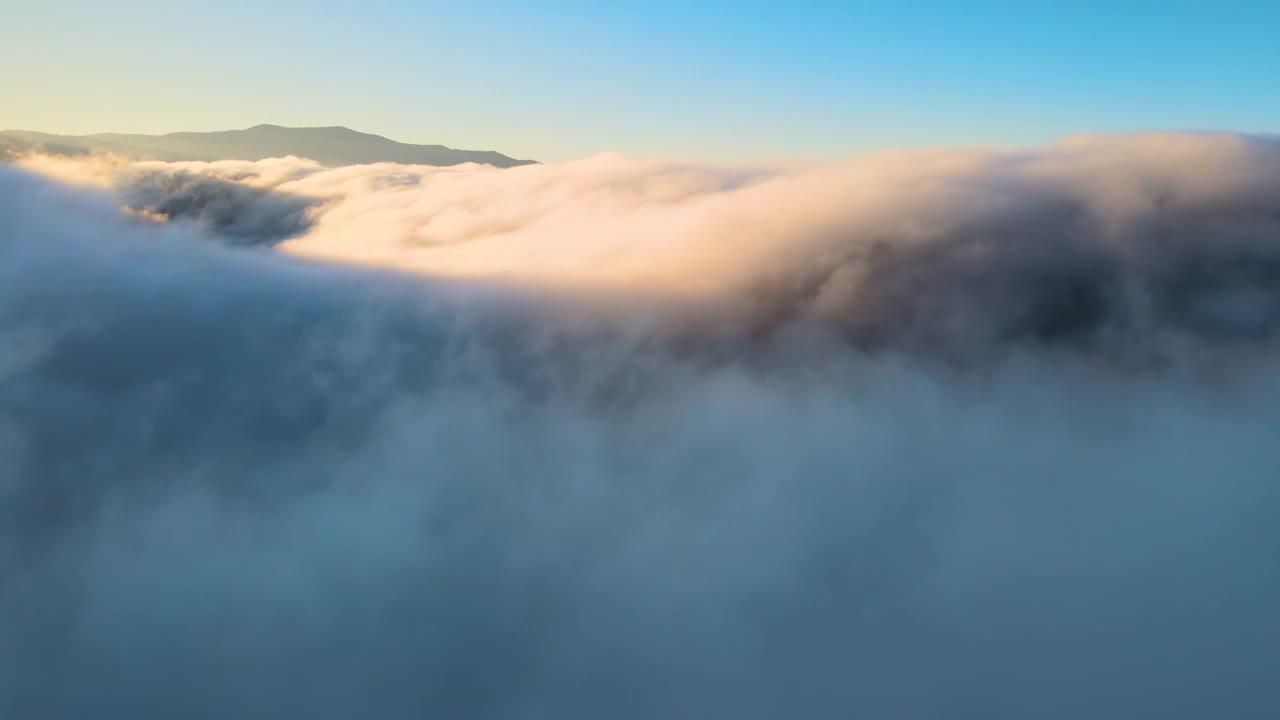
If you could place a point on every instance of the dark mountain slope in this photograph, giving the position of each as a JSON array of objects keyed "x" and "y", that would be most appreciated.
[{"x": 330, "y": 146}]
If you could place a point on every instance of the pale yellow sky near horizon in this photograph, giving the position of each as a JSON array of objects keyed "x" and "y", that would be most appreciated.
[{"x": 710, "y": 81}]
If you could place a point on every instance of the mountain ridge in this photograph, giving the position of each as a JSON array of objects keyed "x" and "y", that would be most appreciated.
[{"x": 332, "y": 146}]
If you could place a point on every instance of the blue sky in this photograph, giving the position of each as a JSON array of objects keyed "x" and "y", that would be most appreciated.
[{"x": 734, "y": 81}]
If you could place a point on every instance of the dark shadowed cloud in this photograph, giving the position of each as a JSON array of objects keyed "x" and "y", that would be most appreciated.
[{"x": 237, "y": 213}]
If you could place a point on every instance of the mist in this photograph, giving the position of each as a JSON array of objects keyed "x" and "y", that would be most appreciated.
[{"x": 934, "y": 433}]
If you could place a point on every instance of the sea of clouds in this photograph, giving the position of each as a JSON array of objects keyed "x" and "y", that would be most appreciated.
[{"x": 937, "y": 433}]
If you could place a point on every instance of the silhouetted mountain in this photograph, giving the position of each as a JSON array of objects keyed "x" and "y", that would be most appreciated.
[{"x": 330, "y": 146}]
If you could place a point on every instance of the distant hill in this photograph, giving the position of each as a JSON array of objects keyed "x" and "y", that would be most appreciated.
[{"x": 331, "y": 146}]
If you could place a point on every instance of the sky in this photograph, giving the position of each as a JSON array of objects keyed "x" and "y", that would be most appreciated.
[{"x": 713, "y": 80}]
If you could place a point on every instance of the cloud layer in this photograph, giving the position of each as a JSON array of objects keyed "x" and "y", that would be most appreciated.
[
  {"x": 981, "y": 434},
  {"x": 1126, "y": 246}
]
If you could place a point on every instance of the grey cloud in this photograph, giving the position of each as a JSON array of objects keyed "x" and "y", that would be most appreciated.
[
  {"x": 1049, "y": 266},
  {"x": 1046, "y": 276},
  {"x": 243, "y": 484},
  {"x": 238, "y": 213}
]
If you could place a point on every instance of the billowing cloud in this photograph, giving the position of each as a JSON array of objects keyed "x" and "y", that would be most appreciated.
[
  {"x": 934, "y": 433},
  {"x": 1122, "y": 245}
]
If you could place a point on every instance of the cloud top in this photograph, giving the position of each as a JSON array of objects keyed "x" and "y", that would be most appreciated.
[{"x": 1131, "y": 246}]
